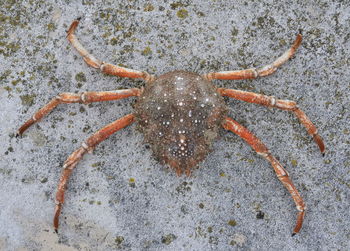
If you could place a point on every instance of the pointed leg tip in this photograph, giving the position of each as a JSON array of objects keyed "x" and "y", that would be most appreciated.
[
  {"x": 323, "y": 154},
  {"x": 18, "y": 135},
  {"x": 293, "y": 234},
  {"x": 56, "y": 230},
  {"x": 78, "y": 18}
]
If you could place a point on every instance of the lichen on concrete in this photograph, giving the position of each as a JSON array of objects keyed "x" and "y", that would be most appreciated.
[{"x": 119, "y": 197}]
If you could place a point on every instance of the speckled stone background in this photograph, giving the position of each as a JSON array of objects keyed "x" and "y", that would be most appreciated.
[{"x": 119, "y": 197}]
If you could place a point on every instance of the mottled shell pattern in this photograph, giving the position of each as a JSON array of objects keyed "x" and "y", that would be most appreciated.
[{"x": 180, "y": 114}]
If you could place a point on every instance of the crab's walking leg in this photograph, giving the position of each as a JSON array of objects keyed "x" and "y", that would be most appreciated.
[
  {"x": 98, "y": 64},
  {"x": 254, "y": 73},
  {"x": 270, "y": 101},
  {"x": 261, "y": 149},
  {"x": 85, "y": 97},
  {"x": 76, "y": 156}
]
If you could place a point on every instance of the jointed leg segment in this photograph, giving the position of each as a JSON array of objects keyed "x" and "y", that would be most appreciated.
[
  {"x": 85, "y": 97},
  {"x": 261, "y": 149},
  {"x": 98, "y": 64},
  {"x": 254, "y": 73},
  {"x": 286, "y": 105},
  {"x": 77, "y": 155}
]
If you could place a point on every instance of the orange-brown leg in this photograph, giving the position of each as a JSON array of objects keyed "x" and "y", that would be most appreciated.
[
  {"x": 261, "y": 149},
  {"x": 254, "y": 73},
  {"x": 98, "y": 64},
  {"x": 270, "y": 101},
  {"x": 77, "y": 155},
  {"x": 85, "y": 97}
]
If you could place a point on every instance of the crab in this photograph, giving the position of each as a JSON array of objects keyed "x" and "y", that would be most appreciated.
[{"x": 180, "y": 114}]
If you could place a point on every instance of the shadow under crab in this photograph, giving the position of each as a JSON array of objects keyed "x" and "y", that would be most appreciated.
[{"x": 180, "y": 114}]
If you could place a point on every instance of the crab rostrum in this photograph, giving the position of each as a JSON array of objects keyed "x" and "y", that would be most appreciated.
[{"x": 180, "y": 114}]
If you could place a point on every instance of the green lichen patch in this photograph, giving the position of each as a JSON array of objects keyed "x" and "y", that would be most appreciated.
[
  {"x": 8, "y": 89},
  {"x": 167, "y": 239},
  {"x": 213, "y": 240},
  {"x": 147, "y": 51},
  {"x": 148, "y": 7},
  {"x": 132, "y": 182},
  {"x": 114, "y": 41},
  {"x": 4, "y": 171},
  {"x": 176, "y": 5},
  {"x": 9, "y": 48},
  {"x": 294, "y": 162},
  {"x": 51, "y": 26},
  {"x": 80, "y": 77},
  {"x": 247, "y": 160},
  {"x": 15, "y": 82},
  {"x": 27, "y": 99},
  {"x": 119, "y": 27},
  {"x": 232, "y": 223},
  {"x": 265, "y": 21},
  {"x": 184, "y": 187},
  {"x": 234, "y": 33},
  {"x": 97, "y": 164},
  {"x": 119, "y": 240},
  {"x": 4, "y": 76},
  {"x": 183, "y": 13}
]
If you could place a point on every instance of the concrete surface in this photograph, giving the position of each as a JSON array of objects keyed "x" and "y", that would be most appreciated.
[{"x": 119, "y": 197}]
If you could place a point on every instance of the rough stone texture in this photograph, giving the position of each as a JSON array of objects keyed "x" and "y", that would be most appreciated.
[{"x": 119, "y": 197}]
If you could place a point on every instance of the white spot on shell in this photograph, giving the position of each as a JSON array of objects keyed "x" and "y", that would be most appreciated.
[
  {"x": 181, "y": 120},
  {"x": 181, "y": 103},
  {"x": 158, "y": 108}
]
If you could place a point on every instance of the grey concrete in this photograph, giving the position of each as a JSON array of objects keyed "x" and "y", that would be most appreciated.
[{"x": 216, "y": 208}]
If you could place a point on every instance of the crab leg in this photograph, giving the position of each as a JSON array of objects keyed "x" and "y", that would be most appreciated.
[
  {"x": 254, "y": 73},
  {"x": 282, "y": 174},
  {"x": 77, "y": 155},
  {"x": 98, "y": 64},
  {"x": 270, "y": 101},
  {"x": 85, "y": 97}
]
